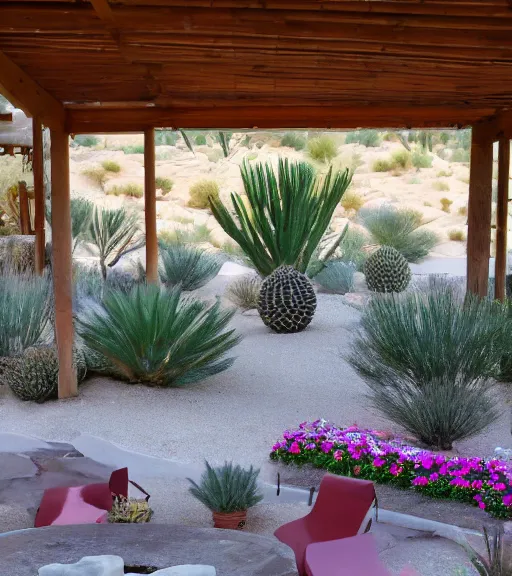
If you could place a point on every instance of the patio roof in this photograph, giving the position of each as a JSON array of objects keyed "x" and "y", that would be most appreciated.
[{"x": 260, "y": 63}]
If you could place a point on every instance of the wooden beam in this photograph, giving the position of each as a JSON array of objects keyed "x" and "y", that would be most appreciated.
[
  {"x": 479, "y": 211},
  {"x": 62, "y": 262},
  {"x": 150, "y": 207},
  {"x": 26, "y": 94},
  {"x": 39, "y": 196},
  {"x": 24, "y": 208},
  {"x": 6, "y": 117},
  {"x": 502, "y": 218}
]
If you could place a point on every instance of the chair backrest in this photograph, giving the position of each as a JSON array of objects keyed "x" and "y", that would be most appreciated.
[{"x": 340, "y": 507}]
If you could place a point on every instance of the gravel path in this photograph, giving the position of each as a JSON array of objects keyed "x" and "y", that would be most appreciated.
[{"x": 276, "y": 382}]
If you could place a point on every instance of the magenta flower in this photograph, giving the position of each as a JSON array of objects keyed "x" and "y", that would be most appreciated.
[
  {"x": 326, "y": 447},
  {"x": 477, "y": 484},
  {"x": 420, "y": 481},
  {"x": 378, "y": 462},
  {"x": 507, "y": 500},
  {"x": 338, "y": 455},
  {"x": 434, "y": 477},
  {"x": 294, "y": 448}
]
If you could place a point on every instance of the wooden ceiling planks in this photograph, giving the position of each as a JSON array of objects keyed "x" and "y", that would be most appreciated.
[{"x": 208, "y": 56}]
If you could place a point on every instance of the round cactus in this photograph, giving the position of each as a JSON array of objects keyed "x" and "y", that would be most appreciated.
[
  {"x": 287, "y": 300},
  {"x": 386, "y": 270}
]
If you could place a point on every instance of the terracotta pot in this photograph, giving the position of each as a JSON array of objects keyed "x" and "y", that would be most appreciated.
[{"x": 229, "y": 521}]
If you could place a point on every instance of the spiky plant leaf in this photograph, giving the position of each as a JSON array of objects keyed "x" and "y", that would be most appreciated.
[
  {"x": 187, "y": 266},
  {"x": 496, "y": 562},
  {"x": 227, "y": 488},
  {"x": 428, "y": 358},
  {"x": 224, "y": 142},
  {"x": 81, "y": 216},
  {"x": 286, "y": 214},
  {"x": 153, "y": 335},
  {"x": 187, "y": 141}
]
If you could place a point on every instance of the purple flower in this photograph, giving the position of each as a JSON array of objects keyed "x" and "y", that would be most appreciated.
[
  {"x": 434, "y": 477},
  {"x": 310, "y": 446},
  {"x": 378, "y": 462},
  {"x": 420, "y": 481},
  {"x": 326, "y": 447},
  {"x": 294, "y": 448}
]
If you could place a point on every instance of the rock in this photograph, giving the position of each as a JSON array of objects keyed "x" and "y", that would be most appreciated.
[
  {"x": 16, "y": 466},
  {"x": 184, "y": 570},
  {"x": 18, "y": 443},
  {"x": 87, "y": 566},
  {"x": 14, "y": 517},
  {"x": 360, "y": 283}
]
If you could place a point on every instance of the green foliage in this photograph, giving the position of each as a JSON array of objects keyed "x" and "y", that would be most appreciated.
[
  {"x": 165, "y": 184},
  {"x": 457, "y": 235},
  {"x": 154, "y": 336},
  {"x": 111, "y": 166},
  {"x": 351, "y": 249},
  {"x": 198, "y": 234},
  {"x": 135, "y": 149},
  {"x": 463, "y": 138},
  {"x": 352, "y": 201},
  {"x": 201, "y": 191},
  {"x": 444, "y": 137},
  {"x": 285, "y": 215},
  {"x": 368, "y": 138},
  {"x": 165, "y": 138},
  {"x": 444, "y": 173},
  {"x": 399, "y": 229},
  {"x": 224, "y": 138},
  {"x": 86, "y": 141},
  {"x": 400, "y": 160},
  {"x": 25, "y": 312},
  {"x": 81, "y": 217},
  {"x": 200, "y": 140},
  {"x": 227, "y": 488},
  {"x": 462, "y": 211},
  {"x": 441, "y": 186},
  {"x": 427, "y": 358},
  {"x": 386, "y": 270},
  {"x": 445, "y": 204},
  {"x": 460, "y": 155},
  {"x": 245, "y": 292},
  {"x": 187, "y": 267},
  {"x": 322, "y": 149},
  {"x": 382, "y": 165},
  {"x": 337, "y": 276},
  {"x": 114, "y": 232},
  {"x": 131, "y": 189},
  {"x": 97, "y": 175},
  {"x": 421, "y": 159},
  {"x": 129, "y": 511},
  {"x": 294, "y": 140}
]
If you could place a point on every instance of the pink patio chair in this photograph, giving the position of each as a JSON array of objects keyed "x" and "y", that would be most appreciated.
[{"x": 338, "y": 512}]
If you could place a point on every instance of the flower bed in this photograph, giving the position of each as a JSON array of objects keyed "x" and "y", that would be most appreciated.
[{"x": 372, "y": 455}]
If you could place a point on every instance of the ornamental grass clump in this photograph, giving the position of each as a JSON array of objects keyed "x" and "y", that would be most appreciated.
[
  {"x": 155, "y": 336},
  {"x": 428, "y": 359},
  {"x": 285, "y": 214},
  {"x": 337, "y": 276},
  {"x": 187, "y": 266},
  {"x": 245, "y": 292}
]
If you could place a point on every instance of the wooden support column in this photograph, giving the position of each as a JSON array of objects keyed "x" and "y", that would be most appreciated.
[
  {"x": 150, "y": 206},
  {"x": 24, "y": 208},
  {"x": 62, "y": 263},
  {"x": 479, "y": 211},
  {"x": 502, "y": 218},
  {"x": 39, "y": 216}
]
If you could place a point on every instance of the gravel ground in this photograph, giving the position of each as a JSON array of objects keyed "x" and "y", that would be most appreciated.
[{"x": 277, "y": 381}]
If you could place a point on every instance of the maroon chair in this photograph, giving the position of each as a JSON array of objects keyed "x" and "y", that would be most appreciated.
[{"x": 338, "y": 512}]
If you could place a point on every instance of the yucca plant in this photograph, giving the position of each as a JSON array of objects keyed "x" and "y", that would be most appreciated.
[
  {"x": 497, "y": 561},
  {"x": 187, "y": 266},
  {"x": 25, "y": 312},
  {"x": 154, "y": 336},
  {"x": 227, "y": 491},
  {"x": 398, "y": 228},
  {"x": 428, "y": 360},
  {"x": 286, "y": 214},
  {"x": 115, "y": 233}
]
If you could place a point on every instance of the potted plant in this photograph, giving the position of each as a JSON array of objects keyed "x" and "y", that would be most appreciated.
[{"x": 228, "y": 491}]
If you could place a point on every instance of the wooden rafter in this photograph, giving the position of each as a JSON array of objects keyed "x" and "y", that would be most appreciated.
[{"x": 6, "y": 117}]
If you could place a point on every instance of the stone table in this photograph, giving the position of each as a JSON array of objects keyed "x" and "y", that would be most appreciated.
[{"x": 233, "y": 553}]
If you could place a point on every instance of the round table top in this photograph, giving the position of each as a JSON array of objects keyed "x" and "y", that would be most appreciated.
[{"x": 233, "y": 553}]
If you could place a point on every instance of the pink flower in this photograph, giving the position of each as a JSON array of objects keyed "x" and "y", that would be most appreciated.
[
  {"x": 420, "y": 481},
  {"x": 477, "y": 484},
  {"x": 378, "y": 462},
  {"x": 338, "y": 455},
  {"x": 433, "y": 477},
  {"x": 276, "y": 446},
  {"x": 481, "y": 505},
  {"x": 294, "y": 448},
  {"x": 500, "y": 486},
  {"x": 357, "y": 470},
  {"x": 395, "y": 470},
  {"x": 507, "y": 500}
]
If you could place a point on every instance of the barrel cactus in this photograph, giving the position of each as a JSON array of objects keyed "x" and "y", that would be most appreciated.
[
  {"x": 35, "y": 374},
  {"x": 386, "y": 270},
  {"x": 287, "y": 300}
]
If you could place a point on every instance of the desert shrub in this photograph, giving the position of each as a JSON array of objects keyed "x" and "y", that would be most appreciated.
[
  {"x": 382, "y": 165},
  {"x": 245, "y": 292},
  {"x": 131, "y": 189},
  {"x": 427, "y": 204},
  {"x": 352, "y": 200},
  {"x": 165, "y": 138},
  {"x": 111, "y": 166},
  {"x": 389, "y": 226},
  {"x": 414, "y": 180},
  {"x": 86, "y": 141},
  {"x": 201, "y": 191},
  {"x": 187, "y": 266},
  {"x": 445, "y": 204},
  {"x": 286, "y": 214},
  {"x": 135, "y": 149},
  {"x": 293, "y": 140},
  {"x": 26, "y": 303},
  {"x": 154, "y": 336},
  {"x": 462, "y": 211},
  {"x": 351, "y": 249},
  {"x": 460, "y": 155},
  {"x": 428, "y": 359},
  {"x": 421, "y": 159},
  {"x": 200, "y": 140},
  {"x": 198, "y": 234},
  {"x": 322, "y": 149},
  {"x": 443, "y": 173},
  {"x": 97, "y": 175},
  {"x": 441, "y": 186},
  {"x": 165, "y": 184},
  {"x": 400, "y": 160},
  {"x": 337, "y": 276},
  {"x": 368, "y": 138},
  {"x": 227, "y": 488},
  {"x": 457, "y": 235}
]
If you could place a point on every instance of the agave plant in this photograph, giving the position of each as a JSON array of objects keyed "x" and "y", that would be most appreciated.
[
  {"x": 114, "y": 232},
  {"x": 153, "y": 335},
  {"x": 81, "y": 216},
  {"x": 227, "y": 488},
  {"x": 187, "y": 266},
  {"x": 285, "y": 215},
  {"x": 428, "y": 360}
]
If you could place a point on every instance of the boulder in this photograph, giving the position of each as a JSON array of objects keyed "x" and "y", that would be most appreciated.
[
  {"x": 87, "y": 566},
  {"x": 184, "y": 570}
]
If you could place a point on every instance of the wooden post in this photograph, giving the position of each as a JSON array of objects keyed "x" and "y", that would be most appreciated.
[
  {"x": 39, "y": 216},
  {"x": 502, "y": 219},
  {"x": 150, "y": 206},
  {"x": 24, "y": 208},
  {"x": 479, "y": 212},
  {"x": 62, "y": 263}
]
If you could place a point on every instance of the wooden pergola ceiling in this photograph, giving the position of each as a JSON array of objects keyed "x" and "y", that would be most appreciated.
[{"x": 129, "y": 64}]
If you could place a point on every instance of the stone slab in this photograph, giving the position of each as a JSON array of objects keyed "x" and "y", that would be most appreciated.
[
  {"x": 232, "y": 553},
  {"x": 16, "y": 466}
]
